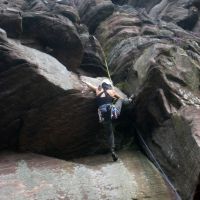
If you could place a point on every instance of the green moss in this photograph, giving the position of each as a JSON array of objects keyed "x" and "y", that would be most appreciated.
[{"x": 123, "y": 86}]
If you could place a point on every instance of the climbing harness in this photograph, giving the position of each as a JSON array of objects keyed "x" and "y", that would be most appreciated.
[
  {"x": 114, "y": 112},
  {"x": 107, "y": 112},
  {"x": 153, "y": 159}
]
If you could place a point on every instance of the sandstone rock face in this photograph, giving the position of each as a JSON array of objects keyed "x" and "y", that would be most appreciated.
[
  {"x": 18, "y": 4},
  {"x": 120, "y": 36},
  {"x": 35, "y": 90},
  {"x": 68, "y": 11},
  {"x": 138, "y": 3},
  {"x": 50, "y": 27},
  {"x": 62, "y": 38},
  {"x": 183, "y": 12},
  {"x": 11, "y": 21},
  {"x": 160, "y": 63},
  {"x": 34, "y": 85},
  {"x": 93, "y": 12},
  {"x": 32, "y": 176},
  {"x": 182, "y": 126},
  {"x": 36, "y": 5},
  {"x": 48, "y": 109},
  {"x": 93, "y": 62}
]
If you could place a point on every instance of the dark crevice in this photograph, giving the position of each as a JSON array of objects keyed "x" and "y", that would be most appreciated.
[
  {"x": 175, "y": 79},
  {"x": 120, "y": 2},
  {"x": 195, "y": 3},
  {"x": 100, "y": 16},
  {"x": 7, "y": 65},
  {"x": 197, "y": 192},
  {"x": 189, "y": 23}
]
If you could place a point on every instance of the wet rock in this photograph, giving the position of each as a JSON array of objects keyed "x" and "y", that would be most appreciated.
[
  {"x": 92, "y": 13},
  {"x": 62, "y": 37}
]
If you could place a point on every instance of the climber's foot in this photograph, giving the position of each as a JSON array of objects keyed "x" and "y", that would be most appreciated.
[{"x": 114, "y": 156}]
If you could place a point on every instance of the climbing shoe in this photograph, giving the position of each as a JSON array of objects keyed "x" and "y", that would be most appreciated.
[
  {"x": 131, "y": 98},
  {"x": 114, "y": 156}
]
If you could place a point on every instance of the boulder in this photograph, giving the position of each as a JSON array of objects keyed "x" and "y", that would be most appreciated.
[
  {"x": 184, "y": 13},
  {"x": 68, "y": 11},
  {"x": 38, "y": 95},
  {"x": 11, "y": 21},
  {"x": 56, "y": 33},
  {"x": 138, "y": 3},
  {"x": 17, "y": 4},
  {"x": 92, "y": 13},
  {"x": 175, "y": 139},
  {"x": 3, "y": 35},
  {"x": 65, "y": 8},
  {"x": 65, "y": 2},
  {"x": 93, "y": 62},
  {"x": 37, "y": 5}
]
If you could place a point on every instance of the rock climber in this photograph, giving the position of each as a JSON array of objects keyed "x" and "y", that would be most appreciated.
[{"x": 108, "y": 110}]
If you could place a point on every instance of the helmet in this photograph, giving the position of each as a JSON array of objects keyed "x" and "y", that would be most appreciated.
[
  {"x": 106, "y": 84},
  {"x": 107, "y": 81}
]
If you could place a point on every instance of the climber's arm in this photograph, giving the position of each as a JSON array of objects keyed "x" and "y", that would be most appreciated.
[
  {"x": 114, "y": 94},
  {"x": 117, "y": 95},
  {"x": 91, "y": 86}
]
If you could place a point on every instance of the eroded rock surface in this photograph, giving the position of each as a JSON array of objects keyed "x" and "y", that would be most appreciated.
[
  {"x": 35, "y": 91},
  {"x": 48, "y": 109},
  {"x": 159, "y": 62},
  {"x": 11, "y": 21},
  {"x": 93, "y": 12},
  {"x": 93, "y": 62},
  {"x": 62, "y": 39},
  {"x": 30, "y": 176},
  {"x": 185, "y": 13}
]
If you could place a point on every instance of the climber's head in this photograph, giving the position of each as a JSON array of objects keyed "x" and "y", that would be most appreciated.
[{"x": 106, "y": 84}]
